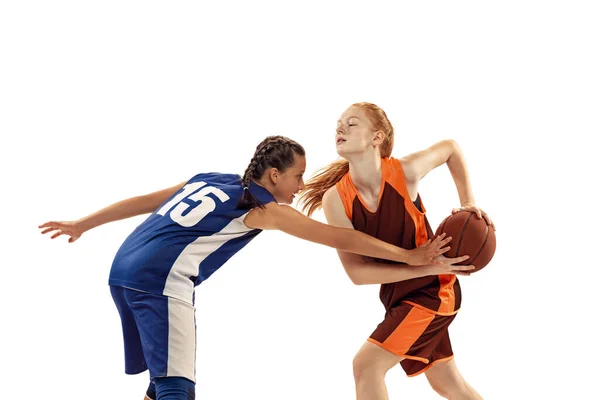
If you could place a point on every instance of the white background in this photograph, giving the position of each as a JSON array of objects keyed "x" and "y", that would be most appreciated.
[{"x": 100, "y": 101}]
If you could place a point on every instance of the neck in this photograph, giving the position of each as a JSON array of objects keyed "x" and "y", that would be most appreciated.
[
  {"x": 365, "y": 171},
  {"x": 266, "y": 183}
]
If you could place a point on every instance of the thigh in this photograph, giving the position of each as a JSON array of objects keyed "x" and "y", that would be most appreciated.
[
  {"x": 372, "y": 355},
  {"x": 135, "y": 361},
  {"x": 168, "y": 334},
  {"x": 444, "y": 375},
  {"x": 416, "y": 335},
  {"x": 434, "y": 345},
  {"x": 403, "y": 331}
]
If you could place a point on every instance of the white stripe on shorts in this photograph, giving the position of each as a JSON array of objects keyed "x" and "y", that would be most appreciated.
[{"x": 182, "y": 340}]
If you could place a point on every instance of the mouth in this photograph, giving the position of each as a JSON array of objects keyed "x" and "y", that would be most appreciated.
[{"x": 340, "y": 140}]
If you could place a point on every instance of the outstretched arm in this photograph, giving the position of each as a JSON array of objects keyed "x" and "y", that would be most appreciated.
[
  {"x": 419, "y": 164},
  {"x": 289, "y": 220},
  {"x": 123, "y": 209},
  {"x": 361, "y": 271}
]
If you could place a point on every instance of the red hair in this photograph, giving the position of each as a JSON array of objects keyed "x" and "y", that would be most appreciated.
[{"x": 312, "y": 196}]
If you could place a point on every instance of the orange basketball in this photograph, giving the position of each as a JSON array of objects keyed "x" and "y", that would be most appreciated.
[{"x": 471, "y": 236}]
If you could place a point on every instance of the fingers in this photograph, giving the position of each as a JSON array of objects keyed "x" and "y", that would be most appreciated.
[
  {"x": 51, "y": 225},
  {"x": 442, "y": 251},
  {"x": 48, "y": 230},
  {"x": 426, "y": 244},
  {"x": 439, "y": 240},
  {"x": 489, "y": 221},
  {"x": 438, "y": 246},
  {"x": 475, "y": 210},
  {"x": 463, "y": 268},
  {"x": 486, "y": 217},
  {"x": 446, "y": 241},
  {"x": 479, "y": 212},
  {"x": 457, "y": 260},
  {"x": 57, "y": 229},
  {"x": 442, "y": 236}
]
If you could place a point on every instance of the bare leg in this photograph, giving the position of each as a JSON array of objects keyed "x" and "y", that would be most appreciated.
[
  {"x": 445, "y": 379},
  {"x": 370, "y": 365}
]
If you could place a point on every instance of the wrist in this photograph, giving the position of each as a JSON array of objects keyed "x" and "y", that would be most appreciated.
[
  {"x": 468, "y": 203},
  {"x": 430, "y": 270},
  {"x": 82, "y": 225},
  {"x": 404, "y": 255}
]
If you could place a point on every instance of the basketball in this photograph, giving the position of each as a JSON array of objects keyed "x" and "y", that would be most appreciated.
[{"x": 471, "y": 236}]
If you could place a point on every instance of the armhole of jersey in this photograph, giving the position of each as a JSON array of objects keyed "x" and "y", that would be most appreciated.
[
  {"x": 248, "y": 212},
  {"x": 395, "y": 174}
]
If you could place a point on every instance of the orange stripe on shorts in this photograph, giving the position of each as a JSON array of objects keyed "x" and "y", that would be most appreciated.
[
  {"x": 410, "y": 329},
  {"x": 446, "y": 293}
]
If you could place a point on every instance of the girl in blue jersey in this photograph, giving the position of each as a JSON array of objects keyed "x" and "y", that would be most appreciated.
[{"x": 194, "y": 228}]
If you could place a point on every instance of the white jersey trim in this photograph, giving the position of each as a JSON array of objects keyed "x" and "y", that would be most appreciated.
[{"x": 178, "y": 284}]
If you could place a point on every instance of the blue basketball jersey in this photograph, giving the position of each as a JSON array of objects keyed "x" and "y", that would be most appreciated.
[{"x": 187, "y": 238}]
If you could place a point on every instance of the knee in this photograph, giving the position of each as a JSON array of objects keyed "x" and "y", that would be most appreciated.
[
  {"x": 452, "y": 390},
  {"x": 442, "y": 390},
  {"x": 175, "y": 388},
  {"x": 151, "y": 391},
  {"x": 364, "y": 366}
]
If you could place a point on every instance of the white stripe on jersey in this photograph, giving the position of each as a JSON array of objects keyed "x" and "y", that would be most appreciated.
[{"x": 178, "y": 283}]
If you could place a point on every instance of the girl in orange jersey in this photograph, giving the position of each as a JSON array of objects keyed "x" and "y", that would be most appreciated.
[{"x": 372, "y": 192}]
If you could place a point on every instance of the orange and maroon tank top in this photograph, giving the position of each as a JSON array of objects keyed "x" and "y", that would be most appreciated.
[{"x": 403, "y": 223}]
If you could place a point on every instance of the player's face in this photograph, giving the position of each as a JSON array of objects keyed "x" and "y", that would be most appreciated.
[
  {"x": 291, "y": 181},
  {"x": 354, "y": 133}
]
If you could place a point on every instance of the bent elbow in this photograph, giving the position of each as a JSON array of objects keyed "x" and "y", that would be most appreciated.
[
  {"x": 358, "y": 279},
  {"x": 453, "y": 144}
]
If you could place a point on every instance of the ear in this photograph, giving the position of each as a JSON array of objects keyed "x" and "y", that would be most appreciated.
[
  {"x": 378, "y": 138},
  {"x": 274, "y": 175}
]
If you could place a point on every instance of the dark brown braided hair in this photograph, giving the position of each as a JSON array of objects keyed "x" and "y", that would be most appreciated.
[{"x": 273, "y": 152}]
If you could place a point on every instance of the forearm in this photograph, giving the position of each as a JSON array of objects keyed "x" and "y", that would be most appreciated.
[
  {"x": 460, "y": 174},
  {"x": 292, "y": 222},
  {"x": 371, "y": 273},
  {"x": 360, "y": 243},
  {"x": 121, "y": 210}
]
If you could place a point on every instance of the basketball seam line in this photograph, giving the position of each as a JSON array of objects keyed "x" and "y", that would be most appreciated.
[
  {"x": 462, "y": 233},
  {"x": 487, "y": 235}
]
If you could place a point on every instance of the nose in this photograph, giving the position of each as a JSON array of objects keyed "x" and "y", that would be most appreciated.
[{"x": 301, "y": 186}]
